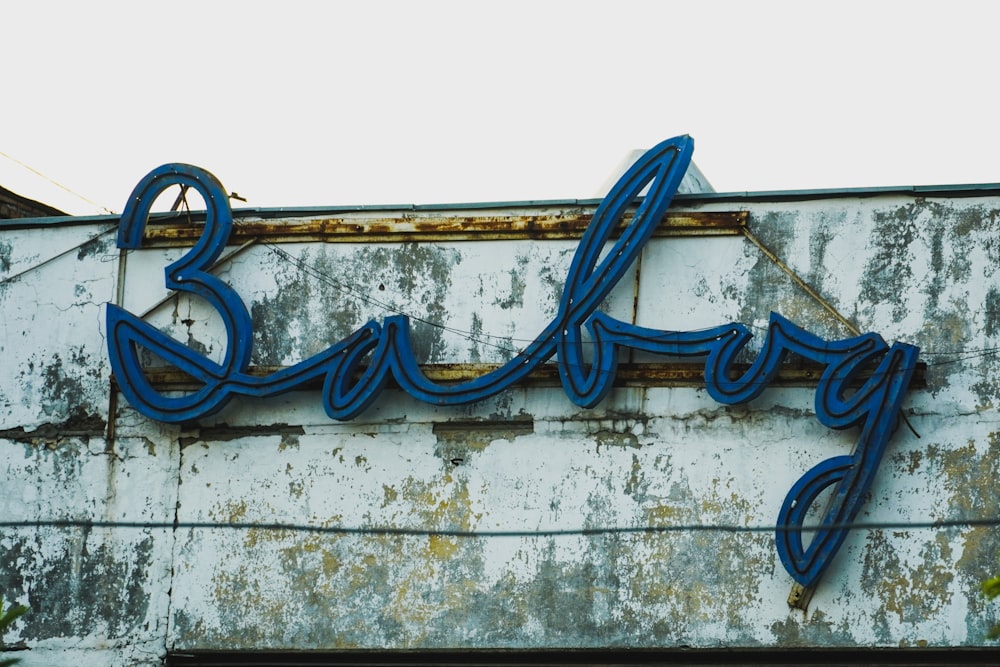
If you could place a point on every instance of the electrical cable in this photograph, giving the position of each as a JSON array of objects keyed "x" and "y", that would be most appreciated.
[
  {"x": 57, "y": 184},
  {"x": 88, "y": 524}
]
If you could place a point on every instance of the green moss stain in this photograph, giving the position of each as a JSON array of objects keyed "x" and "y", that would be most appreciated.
[
  {"x": 913, "y": 589},
  {"x": 513, "y": 296},
  {"x": 969, "y": 474}
]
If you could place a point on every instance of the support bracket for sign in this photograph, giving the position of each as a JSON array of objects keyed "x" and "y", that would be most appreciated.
[{"x": 536, "y": 222}]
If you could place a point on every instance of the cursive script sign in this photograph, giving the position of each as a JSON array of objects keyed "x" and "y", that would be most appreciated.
[{"x": 355, "y": 370}]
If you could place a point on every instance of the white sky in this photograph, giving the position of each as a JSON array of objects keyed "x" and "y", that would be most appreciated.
[{"x": 322, "y": 103}]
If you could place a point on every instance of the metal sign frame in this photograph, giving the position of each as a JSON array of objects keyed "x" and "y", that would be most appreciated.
[{"x": 356, "y": 369}]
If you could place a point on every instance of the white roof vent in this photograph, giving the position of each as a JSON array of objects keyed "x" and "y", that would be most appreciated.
[{"x": 694, "y": 182}]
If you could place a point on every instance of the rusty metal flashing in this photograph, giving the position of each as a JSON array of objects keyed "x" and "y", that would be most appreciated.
[
  {"x": 658, "y": 374},
  {"x": 364, "y": 227}
]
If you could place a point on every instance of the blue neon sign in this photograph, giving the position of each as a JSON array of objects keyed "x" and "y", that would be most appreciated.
[{"x": 355, "y": 370}]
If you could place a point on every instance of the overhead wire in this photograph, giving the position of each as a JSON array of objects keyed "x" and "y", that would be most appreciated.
[
  {"x": 461, "y": 533},
  {"x": 57, "y": 184},
  {"x": 358, "y": 293}
]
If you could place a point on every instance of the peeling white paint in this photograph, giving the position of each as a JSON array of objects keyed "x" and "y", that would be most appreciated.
[{"x": 915, "y": 270}]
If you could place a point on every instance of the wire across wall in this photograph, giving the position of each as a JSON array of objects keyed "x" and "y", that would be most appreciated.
[{"x": 360, "y": 293}]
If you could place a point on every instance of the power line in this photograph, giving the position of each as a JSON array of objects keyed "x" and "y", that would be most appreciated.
[
  {"x": 57, "y": 184},
  {"x": 88, "y": 524}
]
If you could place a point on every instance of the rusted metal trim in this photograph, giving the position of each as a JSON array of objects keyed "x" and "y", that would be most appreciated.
[
  {"x": 670, "y": 374},
  {"x": 412, "y": 226}
]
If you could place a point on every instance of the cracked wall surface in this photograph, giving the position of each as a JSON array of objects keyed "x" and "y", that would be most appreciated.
[{"x": 921, "y": 271}]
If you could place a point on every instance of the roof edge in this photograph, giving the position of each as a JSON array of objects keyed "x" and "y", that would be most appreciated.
[{"x": 957, "y": 190}]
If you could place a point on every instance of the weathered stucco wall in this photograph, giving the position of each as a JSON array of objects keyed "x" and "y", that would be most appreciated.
[{"x": 921, "y": 271}]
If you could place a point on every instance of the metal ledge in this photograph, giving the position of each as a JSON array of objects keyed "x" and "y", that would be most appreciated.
[
  {"x": 811, "y": 656},
  {"x": 415, "y": 226},
  {"x": 669, "y": 374}
]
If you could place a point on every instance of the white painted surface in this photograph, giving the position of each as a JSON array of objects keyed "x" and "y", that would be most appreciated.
[{"x": 918, "y": 271}]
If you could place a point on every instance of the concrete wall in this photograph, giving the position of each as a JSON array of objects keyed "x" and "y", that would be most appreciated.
[{"x": 916, "y": 270}]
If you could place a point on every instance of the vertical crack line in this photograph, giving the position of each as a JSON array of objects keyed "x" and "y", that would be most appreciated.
[
  {"x": 168, "y": 626},
  {"x": 120, "y": 283},
  {"x": 112, "y": 431},
  {"x": 635, "y": 298},
  {"x": 112, "y": 391}
]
